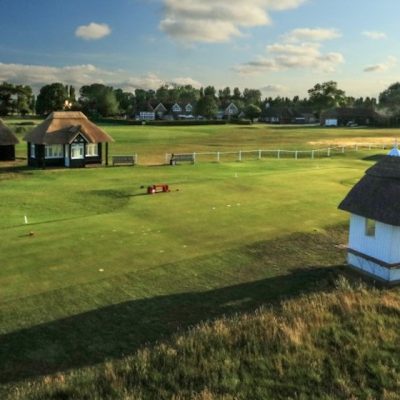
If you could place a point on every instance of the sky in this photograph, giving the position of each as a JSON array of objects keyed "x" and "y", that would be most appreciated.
[{"x": 282, "y": 47}]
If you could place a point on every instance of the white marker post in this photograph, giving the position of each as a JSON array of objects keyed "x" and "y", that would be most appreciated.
[{"x": 26, "y": 220}]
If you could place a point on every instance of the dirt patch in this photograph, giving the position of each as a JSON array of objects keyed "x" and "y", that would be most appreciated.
[{"x": 387, "y": 140}]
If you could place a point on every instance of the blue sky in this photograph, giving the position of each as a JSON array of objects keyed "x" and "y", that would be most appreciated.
[{"x": 280, "y": 46}]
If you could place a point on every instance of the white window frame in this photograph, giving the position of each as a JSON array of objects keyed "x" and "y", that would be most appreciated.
[
  {"x": 176, "y": 108},
  {"x": 53, "y": 151},
  {"x": 92, "y": 150},
  {"x": 81, "y": 146},
  {"x": 32, "y": 150}
]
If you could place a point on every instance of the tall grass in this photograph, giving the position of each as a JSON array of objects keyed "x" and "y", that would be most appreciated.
[{"x": 342, "y": 344}]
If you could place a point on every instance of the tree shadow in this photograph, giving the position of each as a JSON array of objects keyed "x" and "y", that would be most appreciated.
[
  {"x": 375, "y": 157},
  {"x": 119, "y": 330}
]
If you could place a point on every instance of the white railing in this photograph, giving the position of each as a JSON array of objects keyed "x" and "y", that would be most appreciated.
[{"x": 242, "y": 155}]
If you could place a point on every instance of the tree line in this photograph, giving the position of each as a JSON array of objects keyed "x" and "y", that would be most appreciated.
[{"x": 98, "y": 100}]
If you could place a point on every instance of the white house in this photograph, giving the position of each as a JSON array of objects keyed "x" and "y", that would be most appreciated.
[{"x": 374, "y": 239}]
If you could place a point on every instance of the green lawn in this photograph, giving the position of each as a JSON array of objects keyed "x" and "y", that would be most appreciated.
[{"x": 108, "y": 268}]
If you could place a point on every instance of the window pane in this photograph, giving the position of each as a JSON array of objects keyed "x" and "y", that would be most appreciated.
[{"x": 370, "y": 226}]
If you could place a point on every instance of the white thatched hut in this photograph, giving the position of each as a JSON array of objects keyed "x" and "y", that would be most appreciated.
[{"x": 374, "y": 240}]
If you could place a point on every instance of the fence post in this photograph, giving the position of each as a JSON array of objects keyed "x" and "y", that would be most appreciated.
[
  {"x": 279, "y": 154},
  {"x": 218, "y": 156},
  {"x": 136, "y": 158},
  {"x": 342, "y": 149},
  {"x": 312, "y": 154},
  {"x": 240, "y": 155},
  {"x": 329, "y": 152},
  {"x": 259, "y": 154},
  {"x": 194, "y": 157},
  {"x": 295, "y": 154}
]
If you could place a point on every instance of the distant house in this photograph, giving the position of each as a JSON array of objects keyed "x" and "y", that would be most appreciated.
[
  {"x": 182, "y": 111},
  {"x": 287, "y": 115},
  {"x": 231, "y": 111},
  {"x": 66, "y": 139},
  {"x": 160, "y": 110},
  {"x": 280, "y": 115},
  {"x": 344, "y": 116},
  {"x": 374, "y": 239},
  {"x": 7, "y": 143}
]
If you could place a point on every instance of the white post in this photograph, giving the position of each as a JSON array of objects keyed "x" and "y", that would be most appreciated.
[
  {"x": 240, "y": 155},
  {"x": 259, "y": 154},
  {"x": 343, "y": 149},
  {"x": 218, "y": 156},
  {"x": 295, "y": 154},
  {"x": 136, "y": 158},
  {"x": 279, "y": 154},
  {"x": 329, "y": 152},
  {"x": 312, "y": 154},
  {"x": 194, "y": 157}
]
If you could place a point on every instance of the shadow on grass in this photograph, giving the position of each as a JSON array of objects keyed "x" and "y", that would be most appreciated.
[
  {"x": 375, "y": 157},
  {"x": 118, "y": 330}
]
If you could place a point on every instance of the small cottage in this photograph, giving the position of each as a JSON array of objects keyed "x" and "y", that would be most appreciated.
[
  {"x": 374, "y": 239},
  {"x": 67, "y": 139},
  {"x": 8, "y": 140}
]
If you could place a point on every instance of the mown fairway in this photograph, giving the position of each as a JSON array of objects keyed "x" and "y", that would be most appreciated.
[{"x": 108, "y": 268}]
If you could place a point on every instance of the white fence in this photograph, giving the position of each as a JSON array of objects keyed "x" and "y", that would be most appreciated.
[{"x": 243, "y": 155}]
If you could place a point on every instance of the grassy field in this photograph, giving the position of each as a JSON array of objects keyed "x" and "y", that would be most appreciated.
[
  {"x": 107, "y": 269},
  {"x": 152, "y": 143}
]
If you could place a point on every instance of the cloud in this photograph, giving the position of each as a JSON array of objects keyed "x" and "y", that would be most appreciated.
[
  {"x": 382, "y": 67},
  {"x": 273, "y": 88},
  {"x": 79, "y": 75},
  {"x": 375, "y": 35},
  {"x": 213, "y": 21},
  {"x": 93, "y": 31},
  {"x": 293, "y": 56},
  {"x": 311, "y": 35}
]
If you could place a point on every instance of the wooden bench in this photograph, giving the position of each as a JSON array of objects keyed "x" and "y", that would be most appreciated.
[
  {"x": 175, "y": 158},
  {"x": 123, "y": 160}
]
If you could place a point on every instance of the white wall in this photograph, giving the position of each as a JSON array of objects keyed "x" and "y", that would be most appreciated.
[
  {"x": 384, "y": 246},
  {"x": 388, "y": 275}
]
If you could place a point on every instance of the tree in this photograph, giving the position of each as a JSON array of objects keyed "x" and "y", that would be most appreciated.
[
  {"x": 207, "y": 107},
  {"x": 126, "y": 101},
  {"x": 237, "y": 95},
  {"x": 252, "y": 96},
  {"x": 24, "y": 99},
  {"x": 210, "y": 91},
  {"x": 98, "y": 99},
  {"x": 51, "y": 98},
  {"x": 252, "y": 111},
  {"x": 390, "y": 98},
  {"x": 326, "y": 95}
]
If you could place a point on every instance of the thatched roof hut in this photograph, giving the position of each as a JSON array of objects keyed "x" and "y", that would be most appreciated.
[
  {"x": 62, "y": 127},
  {"x": 7, "y": 137},
  {"x": 376, "y": 195},
  {"x": 8, "y": 140},
  {"x": 66, "y": 139}
]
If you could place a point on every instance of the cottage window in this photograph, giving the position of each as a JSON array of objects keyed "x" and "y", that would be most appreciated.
[
  {"x": 54, "y": 151},
  {"x": 77, "y": 151},
  {"x": 370, "y": 227},
  {"x": 92, "y": 150},
  {"x": 33, "y": 150}
]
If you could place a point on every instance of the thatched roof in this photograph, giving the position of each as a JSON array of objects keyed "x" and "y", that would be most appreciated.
[
  {"x": 7, "y": 137},
  {"x": 376, "y": 195},
  {"x": 63, "y": 127}
]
